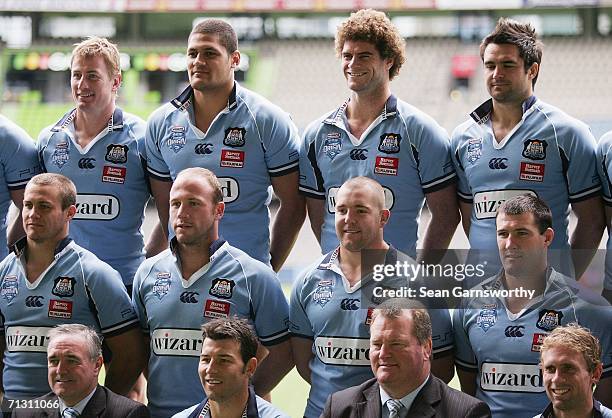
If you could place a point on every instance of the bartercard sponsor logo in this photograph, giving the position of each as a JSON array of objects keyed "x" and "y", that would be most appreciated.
[
  {"x": 99, "y": 207},
  {"x": 487, "y": 203},
  {"x": 31, "y": 339},
  {"x": 333, "y": 191},
  {"x": 511, "y": 377},
  {"x": 343, "y": 351},
  {"x": 176, "y": 342}
]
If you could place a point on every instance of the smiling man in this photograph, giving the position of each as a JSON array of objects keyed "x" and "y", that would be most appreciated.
[
  {"x": 248, "y": 142},
  {"x": 570, "y": 359},
  {"x": 514, "y": 144},
  {"x": 227, "y": 364},
  {"x": 330, "y": 309},
  {"x": 199, "y": 278},
  {"x": 498, "y": 338},
  {"x": 403, "y": 386},
  {"x": 377, "y": 135}
]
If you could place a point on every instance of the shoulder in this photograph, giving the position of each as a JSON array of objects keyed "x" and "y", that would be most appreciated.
[
  {"x": 350, "y": 396},
  {"x": 119, "y": 406},
  {"x": 413, "y": 115},
  {"x": 261, "y": 108},
  {"x": 161, "y": 113},
  {"x": 314, "y": 271},
  {"x": 605, "y": 142},
  {"x": 133, "y": 122},
  {"x": 186, "y": 412},
  {"x": 561, "y": 121},
  {"x": 266, "y": 410},
  {"x": 10, "y": 131},
  {"x": 459, "y": 401},
  {"x": 152, "y": 263},
  {"x": 47, "y": 402}
]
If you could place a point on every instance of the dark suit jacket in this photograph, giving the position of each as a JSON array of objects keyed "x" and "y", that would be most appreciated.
[
  {"x": 436, "y": 399},
  {"x": 103, "y": 404}
]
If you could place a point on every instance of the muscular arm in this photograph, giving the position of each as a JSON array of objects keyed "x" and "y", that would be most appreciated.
[
  {"x": 466, "y": 216},
  {"x": 603, "y": 392},
  {"x": 15, "y": 230},
  {"x": 161, "y": 193},
  {"x": 128, "y": 360},
  {"x": 273, "y": 367},
  {"x": 288, "y": 219},
  {"x": 316, "y": 213},
  {"x": 302, "y": 354},
  {"x": 442, "y": 205},
  {"x": 587, "y": 234},
  {"x": 468, "y": 381},
  {"x": 443, "y": 368}
]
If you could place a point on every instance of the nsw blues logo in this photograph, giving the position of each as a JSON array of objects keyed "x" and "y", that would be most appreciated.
[
  {"x": 535, "y": 149},
  {"x": 161, "y": 287},
  {"x": 332, "y": 145},
  {"x": 64, "y": 286},
  {"x": 487, "y": 317},
  {"x": 234, "y": 137},
  {"x": 390, "y": 143},
  {"x": 549, "y": 319},
  {"x": 10, "y": 288},
  {"x": 177, "y": 139},
  {"x": 222, "y": 288},
  {"x": 60, "y": 155},
  {"x": 323, "y": 292},
  {"x": 116, "y": 153},
  {"x": 474, "y": 150}
]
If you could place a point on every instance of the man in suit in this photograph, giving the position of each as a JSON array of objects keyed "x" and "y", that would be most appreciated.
[
  {"x": 400, "y": 357},
  {"x": 74, "y": 357}
]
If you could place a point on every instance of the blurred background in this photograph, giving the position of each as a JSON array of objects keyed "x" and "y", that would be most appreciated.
[{"x": 288, "y": 56}]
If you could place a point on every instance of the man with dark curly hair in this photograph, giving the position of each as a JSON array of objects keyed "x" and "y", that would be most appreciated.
[{"x": 374, "y": 134}]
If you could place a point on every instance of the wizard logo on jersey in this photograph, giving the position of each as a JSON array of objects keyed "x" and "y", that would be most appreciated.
[
  {"x": 60, "y": 154},
  {"x": 222, "y": 288},
  {"x": 64, "y": 286},
  {"x": 234, "y": 137},
  {"x": 323, "y": 292},
  {"x": 332, "y": 145},
  {"x": 10, "y": 288},
  {"x": 549, "y": 319},
  {"x": 487, "y": 317},
  {"x": 390, "y": 143},
  {"x": 177, "y": 139},
  {"x": 474, "y": 150},
  {"x": 535, "y": 149},
  {"x": 116, "y": 153},
  {"x": 161, "y": 287}
]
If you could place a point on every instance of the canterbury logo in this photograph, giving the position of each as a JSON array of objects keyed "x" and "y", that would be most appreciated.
[
  {"x": 189, "y": 297},
  {"x": 349, "y": 304},
  {"x": 34, "y": 301},
  {"x": 203, "y": 149},
  {"x": 359, "y": 154},
  {"x": 87, "y": 163},
  {"x": 515, "y": 331},
  {"x": 498, "y": 163}
]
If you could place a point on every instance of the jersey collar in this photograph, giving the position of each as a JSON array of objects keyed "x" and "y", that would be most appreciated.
[
  {"x": 251, "y": 407},
  {"x": 550, "y": 413},
  {"x": 183, "y": 100},
  {"x": 483, "y": 112},
  {"x": 19, "y": 246},
  {"x": 389, "y": 111},
  {"x": 212, "y": 249},
  {"x": 115, "y": 123}
]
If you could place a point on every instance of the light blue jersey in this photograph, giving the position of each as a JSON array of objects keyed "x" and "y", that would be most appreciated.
[
  {"x": 604, "y": 164},
  {"x": 76, "y": 288},
  {"x": 172, "y": 311},
  {"x": 405, "y": 150},
  {"x": 246, "y": 145},
  {"x": 599, "y": 411},
  {"x": 256, "y": 408},
  {"x": 18, "y": 164},
  {"x": 325, "y": 309},
  {"x": 504, "y": 348},
  {"x": 112, "y": 186},
  {"x": 548, "y": 154}
]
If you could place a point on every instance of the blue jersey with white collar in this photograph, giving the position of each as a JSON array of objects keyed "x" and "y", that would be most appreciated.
[
  {"x": 76, "y": 288},
  {"x": 18, "y": 164},
  {"x": 112, "y": 186},
  {"x": 324, "y": 308},
  {"x": 171, "y": 311},
  {"x": 548, "y": 154},
  {"x": 504, "y": 348},
  {"x": 405, "y": 150},
  {"x": 604, "y": 164},
  {"x": 246, "y": 145}
]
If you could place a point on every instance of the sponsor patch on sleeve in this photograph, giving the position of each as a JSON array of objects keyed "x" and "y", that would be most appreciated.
[
  {"x": 111, "y": 174},
  {"x": 386, "y": 165},
  {"x": 60, "y": 309},
  {"x": 232, "y": 158},
  {"x": 532, "y": 171},
  {"x": 216, "y": 309}
]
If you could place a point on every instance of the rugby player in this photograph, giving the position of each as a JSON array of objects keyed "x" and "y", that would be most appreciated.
[
  {"x": 199, "y": 278},
  {"x": 604, "y": 164},
  {"x": 377, "y": 135},
  {"x": 330, "y": 311},
  {"x": 514, "y": 144},
  {"x": 248, "y": 142},
  {"x": 50, "y": 280},
  {"x": 497, "y": 340}
]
